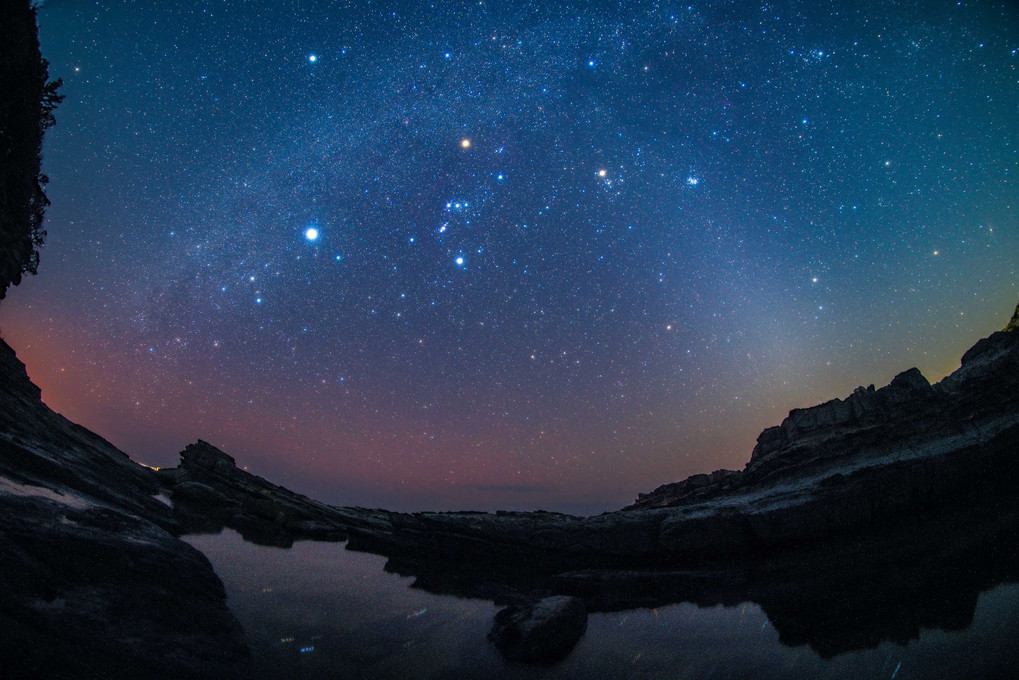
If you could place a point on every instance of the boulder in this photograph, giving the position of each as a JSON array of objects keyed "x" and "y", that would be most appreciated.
[
  {"x": 202, "y": 454},
  {"x": 543, "y": 632}
]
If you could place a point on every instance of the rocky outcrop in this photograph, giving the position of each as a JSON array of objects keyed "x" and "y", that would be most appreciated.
[
  {"x": 542, "y": 632},
  {"x": 875, "y": 469},
  {"x": 209, "y": 492},
  {"x": 1013, "y": 324},
  {"x": 692, "y": 489},
  {"x": 844, "y": 467},
  {"x": 44, "y": 448},
  {"x": 96, "y": 584}
]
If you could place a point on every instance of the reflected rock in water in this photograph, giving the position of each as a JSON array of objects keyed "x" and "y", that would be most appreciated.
[
  {"x": 836, "y": 597},
  {"x": 855, "y": 521}
]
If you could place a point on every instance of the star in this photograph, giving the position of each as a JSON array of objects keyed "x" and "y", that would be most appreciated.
[
  {"x": 312, "y": 58},
  {"x": 465, "y": 143},
  {"x": 311, "y": 233}
]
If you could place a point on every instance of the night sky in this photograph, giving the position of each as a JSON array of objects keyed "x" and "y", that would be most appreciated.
[{"x": 511, "y": 254}]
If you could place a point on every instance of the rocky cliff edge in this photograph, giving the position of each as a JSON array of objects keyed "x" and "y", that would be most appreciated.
[{"x": 95, "y": 581}]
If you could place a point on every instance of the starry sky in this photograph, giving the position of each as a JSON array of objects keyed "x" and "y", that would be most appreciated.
[{"x": 511, "y": 254}]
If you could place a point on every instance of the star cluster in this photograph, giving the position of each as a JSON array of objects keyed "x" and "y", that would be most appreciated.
[{"x": 512, "y": 254}]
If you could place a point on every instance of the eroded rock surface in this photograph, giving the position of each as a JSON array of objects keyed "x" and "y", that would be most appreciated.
[{"x": 95, "y": 582}]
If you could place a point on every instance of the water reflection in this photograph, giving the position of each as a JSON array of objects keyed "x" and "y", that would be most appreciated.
[
  {"x": 940, "y": 603},
  {"x": 317, "y": 610}
]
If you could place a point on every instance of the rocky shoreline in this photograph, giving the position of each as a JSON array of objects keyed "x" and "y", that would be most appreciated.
[
  {"x": 97, "y": 578},
  {"x": 96, "y": 582},
  {"x": 834, "y": 470}
]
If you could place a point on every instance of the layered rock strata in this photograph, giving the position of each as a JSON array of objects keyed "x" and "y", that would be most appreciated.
[
  {"x": 837, "y": 469},
  {"x": 95, "y": 582}
]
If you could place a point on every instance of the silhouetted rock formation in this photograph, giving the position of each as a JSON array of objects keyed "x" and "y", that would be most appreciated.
[
  {"x": 842, "y": 468},
  {"x": 210, "y": 492},
  {"x": 837, "y": 469},
  {"x": 95, "y": 582},
  {"x": 1013, "y": 324},
  {"x": 850, "y": 519}
]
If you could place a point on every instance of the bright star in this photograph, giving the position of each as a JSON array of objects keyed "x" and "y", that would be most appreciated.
[
  {"x": 692, "y": 181},
  {"x": 312, "y": 58},
  {"x": 459, "y": 261},
  {"x": 311, "y": 233},
  {"x": 465, "y": 143}
]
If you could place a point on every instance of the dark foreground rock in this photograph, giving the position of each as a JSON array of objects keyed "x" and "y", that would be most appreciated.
[
  {"x": 542, "y": 632},
  {"x": 95, "y": 582}
]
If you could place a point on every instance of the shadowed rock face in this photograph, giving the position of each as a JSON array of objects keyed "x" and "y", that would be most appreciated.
[
  {"x": 1013, "y": 324},
  {"x": 95, "y": 582}
]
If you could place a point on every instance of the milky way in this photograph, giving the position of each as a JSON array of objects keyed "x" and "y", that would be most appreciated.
[{"x": 511, "y": 254}]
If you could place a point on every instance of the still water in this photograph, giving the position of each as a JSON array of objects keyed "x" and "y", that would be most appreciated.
[{"x": 317, "y": 610}]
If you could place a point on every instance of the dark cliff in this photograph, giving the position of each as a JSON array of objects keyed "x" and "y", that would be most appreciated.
[
  {"x": 840, "y": 469},
  {"x": 907, "y": 420},
  {"x": 96, "y": 584}
]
